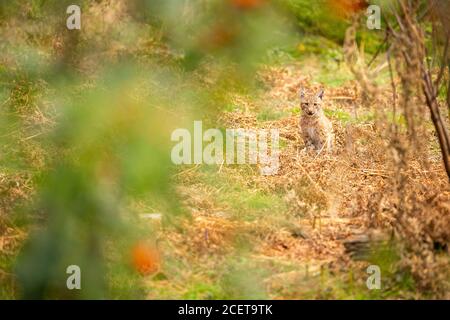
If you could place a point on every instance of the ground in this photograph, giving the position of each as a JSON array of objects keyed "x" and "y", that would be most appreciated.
[
  {"x": 238, "y": 234},
  {"x": 282, "y": 236}
]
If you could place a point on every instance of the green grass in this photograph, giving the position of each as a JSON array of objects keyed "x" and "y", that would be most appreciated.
[
  {"x": 270, "y": 114},
  {"x": 351, "y": 283},
  {"x": 317, "y": 18},
  {"x": 345, "y": 117},
  {"x": 204, "y": 291},
  {"x": 241, "y": 196},
  {"x": 124, "y": 282},
  {"x": 8, "y": 286}
]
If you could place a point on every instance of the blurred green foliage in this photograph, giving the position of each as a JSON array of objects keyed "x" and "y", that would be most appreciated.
[
  {"x": 99, "y": 109},
  {"x": 110, "y": 149},
  {"x": 318, "y": 20}
]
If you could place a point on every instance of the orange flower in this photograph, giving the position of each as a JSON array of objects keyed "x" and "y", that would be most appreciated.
[
  {"x": 146, "y": 258},
  {"x": 346, "y": 8},
  {"x": 247, "y": 4}
]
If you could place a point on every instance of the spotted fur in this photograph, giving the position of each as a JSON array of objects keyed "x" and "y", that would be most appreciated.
[{"x": 316, "y": 128}]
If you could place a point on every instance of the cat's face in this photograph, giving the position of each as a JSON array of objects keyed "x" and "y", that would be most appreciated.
[{"x": 311, "y": 103}]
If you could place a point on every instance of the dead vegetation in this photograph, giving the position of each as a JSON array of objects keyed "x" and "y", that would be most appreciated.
[
  {"x": 409, "y": 201},
  {"x": 330, "y": 200},
  {"x": 303, "y": 225}
]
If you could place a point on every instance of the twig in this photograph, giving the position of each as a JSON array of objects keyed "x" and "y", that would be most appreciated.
[
  {"x": 221, "y": 165},
  {"x": 443, "y": 67},
  {"x": 186, "y": 171},
  {"x": 378, "y": 50},
  {"x": 394, "y": 89},
  {"x": 33, "y": 136},
  {"x": 311, "y": 179}
]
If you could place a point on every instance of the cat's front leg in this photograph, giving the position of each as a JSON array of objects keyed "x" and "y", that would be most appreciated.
[{"x": 309, "y": 147}]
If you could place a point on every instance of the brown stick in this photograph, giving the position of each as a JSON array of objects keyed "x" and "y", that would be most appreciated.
[
  {"x": 437, "y": 121},
  {"x": 409, "y": 28}
]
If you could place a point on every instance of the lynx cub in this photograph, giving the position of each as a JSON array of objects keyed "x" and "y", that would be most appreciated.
[{"x": 316, "y": 129}]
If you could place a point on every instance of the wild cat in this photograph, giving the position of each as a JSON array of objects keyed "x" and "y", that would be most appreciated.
[{"x": 316, "y": 129}]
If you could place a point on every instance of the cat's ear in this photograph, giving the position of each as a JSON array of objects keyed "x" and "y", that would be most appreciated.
[
  {"x": 301, "y": 93},
  {"x": 320, "y": 94}
]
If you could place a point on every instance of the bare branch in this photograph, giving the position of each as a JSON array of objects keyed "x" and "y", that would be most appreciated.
[{"x": 443, "y": 66}]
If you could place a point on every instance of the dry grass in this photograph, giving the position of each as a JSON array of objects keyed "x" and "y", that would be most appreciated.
[
  {"x": 327, "y": 198},
  {"x": 275, "y": 236}
]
